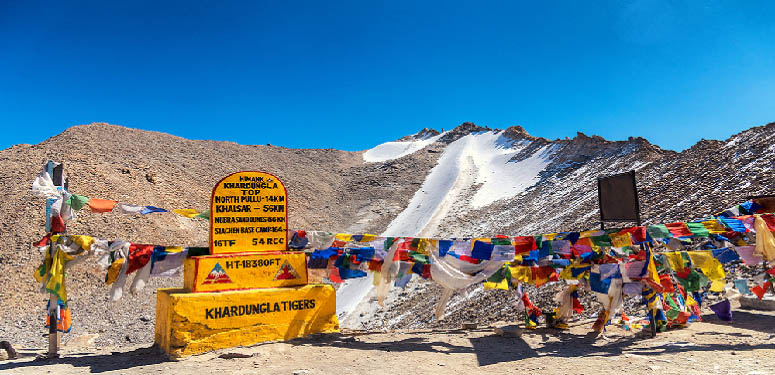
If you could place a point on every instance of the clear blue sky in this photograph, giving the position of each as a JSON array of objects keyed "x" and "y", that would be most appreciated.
[{"x": 353, "y": 74}]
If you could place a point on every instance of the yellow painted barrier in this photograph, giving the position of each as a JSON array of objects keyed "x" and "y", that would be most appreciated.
[
  {"x": 193, "y": 323},
  {"x": 226, "y": 272}
]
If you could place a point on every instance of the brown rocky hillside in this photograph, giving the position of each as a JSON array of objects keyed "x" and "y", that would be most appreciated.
[{"x": 330, "y": 190}]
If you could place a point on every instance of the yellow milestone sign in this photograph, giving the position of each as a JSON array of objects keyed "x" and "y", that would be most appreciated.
[
  {"x": 248, "y": 213},
  {"x": 191, "y": 323},
  {"x": 216, "y": 273}
]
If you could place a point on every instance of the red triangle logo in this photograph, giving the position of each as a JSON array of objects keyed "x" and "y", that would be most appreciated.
[
  {"x": 286, "y": 272},
  {"x": 217, "y": 276}
]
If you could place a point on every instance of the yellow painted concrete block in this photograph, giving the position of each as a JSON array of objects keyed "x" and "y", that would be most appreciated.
[
  {"x": 193, "y": 323},
  {"x": 224, "y": 272}
]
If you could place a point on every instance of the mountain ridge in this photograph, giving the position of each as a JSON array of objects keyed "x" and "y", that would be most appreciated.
[{"x": 470, "y": 181}]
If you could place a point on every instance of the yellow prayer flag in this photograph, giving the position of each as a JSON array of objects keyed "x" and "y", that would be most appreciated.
[
  {"x": 567, "y": 272},
  {"x": 675, "y": 260},
  {"x": 717, "y": 286},
  {"x": 709, "y": 265},
  {"x": 714, "y": 227},
  {"x": 521, "y": 273},
  {"x": 368, "y": 237},
  {"x": 56, "y": 279},
  {"x": 114, "y": 270},
  {"x": 423, "y": 246},
  {"x": 344, "y": 237},
  {"x": 84, "y": 241},
  {"x": 503, "y": 284},
  {"x": 187, "y": 212},
  {"x": 765, "y": 241},
  {"x": 620, "y": 240}
]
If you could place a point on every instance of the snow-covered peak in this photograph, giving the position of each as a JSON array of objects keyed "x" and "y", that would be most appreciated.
[{"x": 405, "y": 146}]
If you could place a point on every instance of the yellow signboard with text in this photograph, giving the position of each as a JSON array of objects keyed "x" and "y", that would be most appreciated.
[
  {"x": 192, "y": 323},
  {"x": 248, "y": 213},
  {"x": 216, "y": 273}
]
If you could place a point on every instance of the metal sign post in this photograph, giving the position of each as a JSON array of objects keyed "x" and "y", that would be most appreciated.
[{"x": 56, "y": 171}]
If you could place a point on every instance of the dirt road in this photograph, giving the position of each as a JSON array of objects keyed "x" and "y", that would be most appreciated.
[{"x": 746, "y": 346}]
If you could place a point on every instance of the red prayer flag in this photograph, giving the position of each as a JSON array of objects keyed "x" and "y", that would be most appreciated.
[
  {"x": 770, "y": 220},
  {"x": 639, "y": 234},
  {"x": 333, "y": 275},
  {"x": 524, "y": 244},
  {"x": 578, "y": 308},
  {"x": 667, "y": 284},
  {"x": 57, "y": 224},
  {"x": 42, "y": 242},
  {"x": 679, "y": 229},
  {"x": 139, "y": 255},
  {"x": 759, "y": 290}
]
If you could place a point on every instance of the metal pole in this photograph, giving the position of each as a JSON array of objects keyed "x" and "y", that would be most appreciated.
[
  {"x": 53, "y": 305},
  {"x": 53, "y": 334}
]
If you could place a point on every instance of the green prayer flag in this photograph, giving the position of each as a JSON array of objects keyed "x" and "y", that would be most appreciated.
[
  {"x": 204, "y": 215},
  {"x": 674, "y": 311},
  {"x": 698, "y": 229},
  {"x": 501, "y": 241},
  {"x": 389, "y": 242},
  {"x": 419, "y": 258},
  {"x": 658, "y": 231},
  {"x": 603, "y": 241},
  {"x": 501, "y": 274},
  {"x": 77, "y": 202},
  {"x": 539, "y": 239}
]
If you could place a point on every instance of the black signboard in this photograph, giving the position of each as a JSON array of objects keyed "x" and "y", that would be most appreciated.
[{"x": 618, "y": 198}]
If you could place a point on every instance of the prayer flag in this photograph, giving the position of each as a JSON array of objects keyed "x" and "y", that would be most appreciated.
[
  {"x": 77, "y": 202},
  {"x": 725, "y": 255},
  {"x": 150, "y": 209},
  {"x": 101, "y": 205},
  {"x": 734, "y": 224},
  {"x": 698, "y": 229},
  {"x": 723, "y": 310},
  {"x": 658, "y": 231},
  {"x": 129, "y": 209},
  {"x": 714, "y": 227},
  {"x": 709, "y": 265},
  {"x": 524, "y": 244},
  {"x": 678, "y": 229},
  {"x": 742, "y": 286},
  {"x": 139, "y": 256},
  {"x": 187, "y": 212}
]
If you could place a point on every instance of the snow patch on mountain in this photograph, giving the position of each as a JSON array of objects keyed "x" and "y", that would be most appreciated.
[
  {"x": 480, "y": 159},
  {"x": 500, "y": 177},
  {"x": 394, "y": 150}
]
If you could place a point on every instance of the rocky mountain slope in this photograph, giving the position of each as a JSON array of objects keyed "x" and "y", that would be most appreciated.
[{"x": 469, "y": 181}]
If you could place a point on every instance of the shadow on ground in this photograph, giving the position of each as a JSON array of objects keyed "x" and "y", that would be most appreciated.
[
  {"x": 488, "y": 349},
  {"x": 493, "y": 349},
  {"x": 97, "y": 363}
]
